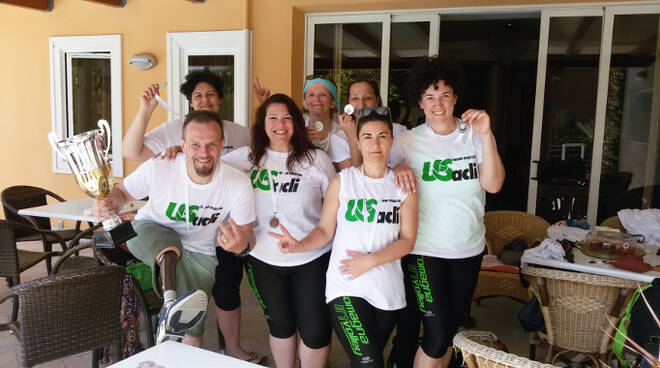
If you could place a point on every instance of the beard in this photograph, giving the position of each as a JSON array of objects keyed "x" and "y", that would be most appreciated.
[{"x": 204, "y": 171}]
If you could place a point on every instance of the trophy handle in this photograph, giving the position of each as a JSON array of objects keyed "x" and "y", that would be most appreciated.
[
  {"x": 52, "y": 138},
  {"x": 103, "y": 124}
]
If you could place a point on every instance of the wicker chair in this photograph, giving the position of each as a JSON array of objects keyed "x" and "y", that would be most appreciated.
[
  {"x": 23, "y": 196},
  {"x": 13, "y": 261},
  {"x": 66, "y": 314},
  {"x": 478, "y": 349},
  {"x": 574, "y": 307},
  {"x": 614, "y": 223},
  {"x": 501, "y": 228}
]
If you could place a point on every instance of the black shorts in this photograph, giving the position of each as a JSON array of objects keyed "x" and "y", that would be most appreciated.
[
  {"x": 228, "y": 277},
  {"x": 362, "y": 329},
  {"x": 293, "y": 298},
  {"x": 438, "y": 292}
]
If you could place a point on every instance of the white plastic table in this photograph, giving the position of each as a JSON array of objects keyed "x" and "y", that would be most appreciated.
[
  {"x": 76, "y": 210},
  {"x": 584, "y": 263},
  {"x": 172, "y": 354}
]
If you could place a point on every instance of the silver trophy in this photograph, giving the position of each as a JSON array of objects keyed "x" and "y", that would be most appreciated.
[{"x": 87, "y": 156}]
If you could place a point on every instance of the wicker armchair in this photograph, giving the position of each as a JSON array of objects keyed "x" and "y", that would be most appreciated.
[
  {"x": 62, "y": 315},
  {"x": 501, "y": 228},
  {"x": 23, "y": 196},
  {"x": 574, "y": 307},
  {"x": 478, "y": 349},
  {"x": 614, "y": 223},
  {"x": 14, "y": 261}
]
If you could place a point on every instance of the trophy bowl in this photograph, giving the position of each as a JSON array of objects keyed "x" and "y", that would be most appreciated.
[{"x": 87, "y": 157}]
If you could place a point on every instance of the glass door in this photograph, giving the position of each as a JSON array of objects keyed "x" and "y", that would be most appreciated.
[
  {"x": 629, "y": 170},
  {"x": 595, "y": 141},
  {"x": 565, "y": 114}
]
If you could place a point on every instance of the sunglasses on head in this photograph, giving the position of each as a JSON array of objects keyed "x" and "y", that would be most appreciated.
[{"x": 382, "y": 112}]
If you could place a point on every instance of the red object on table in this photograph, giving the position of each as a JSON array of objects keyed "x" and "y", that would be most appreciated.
[{"x": 634, "y": 264}]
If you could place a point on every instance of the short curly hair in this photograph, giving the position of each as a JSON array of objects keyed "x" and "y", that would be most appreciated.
[
  {"x": 199, "y": 76},
  {"x": 429, "y": 71}
]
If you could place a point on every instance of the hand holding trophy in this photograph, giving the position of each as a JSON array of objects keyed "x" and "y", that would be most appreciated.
[{"x": 87, "y": 156}]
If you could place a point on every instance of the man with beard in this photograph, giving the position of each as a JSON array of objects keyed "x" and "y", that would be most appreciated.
[{"x": 188, "y": 198}]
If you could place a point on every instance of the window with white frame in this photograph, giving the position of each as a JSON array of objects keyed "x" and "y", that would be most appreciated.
[
  {"x": 227, "y": 53},
  {"x": 86, "y": 87}
]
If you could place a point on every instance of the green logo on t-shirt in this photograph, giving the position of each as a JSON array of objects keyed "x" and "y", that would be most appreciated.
[
  {"x": 441, "y": 170},
  {"x": 177, "y": 212},
  {"x": 355, "y": 207},
  {"x": 260, "y": 179}
]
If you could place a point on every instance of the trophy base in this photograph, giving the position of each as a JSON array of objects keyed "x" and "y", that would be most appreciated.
[{"x": 113, "y": 237}]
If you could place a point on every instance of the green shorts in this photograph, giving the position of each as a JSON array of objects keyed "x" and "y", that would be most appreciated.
[{"x": 193, "y": 270}]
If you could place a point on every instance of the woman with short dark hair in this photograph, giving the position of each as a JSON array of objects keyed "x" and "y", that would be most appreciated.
[{"x": 454, "y": 161}]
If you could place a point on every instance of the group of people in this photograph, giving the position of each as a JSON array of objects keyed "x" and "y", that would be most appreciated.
[{"x": 395, "y": 238}]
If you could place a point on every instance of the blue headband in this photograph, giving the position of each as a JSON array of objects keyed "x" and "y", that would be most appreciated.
[{"x": 331, "y": 87}]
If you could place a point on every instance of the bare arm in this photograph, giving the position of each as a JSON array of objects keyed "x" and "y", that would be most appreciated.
[
  {"x": 491, "y": 169},
  {"x": 133, "y": 147},
  {"x": 361, "y": 263},
  {"x": 110, "y": 205},
  {"x": 322, "y": 233},
  {"x": 347, "y": 124}
]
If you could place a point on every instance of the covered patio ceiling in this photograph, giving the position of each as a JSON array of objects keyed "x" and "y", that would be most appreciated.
[{"x": 48, "y": 5}]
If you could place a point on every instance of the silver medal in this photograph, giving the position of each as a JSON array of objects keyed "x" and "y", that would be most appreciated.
[
  {"x": 318, "y": 125},
  {"x": 349, "y": 109}
]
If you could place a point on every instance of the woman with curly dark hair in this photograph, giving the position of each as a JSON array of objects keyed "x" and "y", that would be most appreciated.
[
  {"x": 290, "y": 177},
  {"x": 453, "y": 162}
]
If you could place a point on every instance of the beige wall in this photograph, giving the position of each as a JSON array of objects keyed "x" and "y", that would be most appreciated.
[{"x": 278, "y": 40}]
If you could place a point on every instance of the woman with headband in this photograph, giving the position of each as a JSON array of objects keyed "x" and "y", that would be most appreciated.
[
  {"x": 290, "y": 177},
  {"x": 374, "y": 224},
  {"x": 320, "y": 104},
  {"x": 454, "y": 161}
]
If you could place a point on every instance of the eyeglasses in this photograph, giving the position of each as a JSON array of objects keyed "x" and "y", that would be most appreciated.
[{"x": 382, "y": 112}]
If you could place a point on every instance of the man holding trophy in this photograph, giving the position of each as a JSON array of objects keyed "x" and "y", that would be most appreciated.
[{"x": 188, "y": 199}]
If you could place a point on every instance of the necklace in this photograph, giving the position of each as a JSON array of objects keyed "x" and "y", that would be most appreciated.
[{"x": 274, "y": 221}]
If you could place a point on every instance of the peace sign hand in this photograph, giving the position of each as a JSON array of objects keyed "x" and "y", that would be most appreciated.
[
  {"x": 287, "y": 243},
  {"x": 262, "y": 92}
]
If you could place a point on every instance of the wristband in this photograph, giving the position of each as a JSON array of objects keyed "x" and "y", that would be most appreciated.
[{"x": 245, "y": 251}]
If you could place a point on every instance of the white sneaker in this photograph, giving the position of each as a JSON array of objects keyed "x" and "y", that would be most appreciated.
[{"x": 183, "y": 313}]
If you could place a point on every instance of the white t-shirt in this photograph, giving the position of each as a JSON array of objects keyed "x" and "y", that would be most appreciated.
[
  {"x": 341, "y": 151},
  {"x": 171, "y": 192},
  {"x": 451, "y": 200},
  {"x": 169, "y": 134},
  {"x": 298, "y": 197},
  {"x": 368, "y": 220}
]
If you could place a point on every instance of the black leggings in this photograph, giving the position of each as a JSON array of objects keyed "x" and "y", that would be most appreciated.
[
  {"x": 362, "y": 329},
  {"x": 293, "y": 298},
  {"x": 228, "y": 277},
  {"x": 438, "y": 292}
]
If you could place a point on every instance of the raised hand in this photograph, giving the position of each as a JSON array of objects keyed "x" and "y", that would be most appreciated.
[
  {"x": 286, "y": 242},
  {"x": 312, "y": 133},
  {"x": 262, "y": 92},
  {"x": 347, "y": 124},
  {"x": 231, "y": 238},
  {"x": 478, "y": 119},
  {"x": 147, "y": 97},
  {"x": 355, "y": 266}
]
